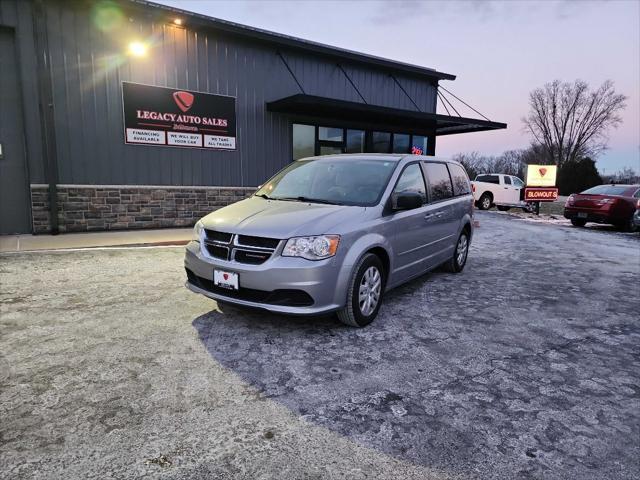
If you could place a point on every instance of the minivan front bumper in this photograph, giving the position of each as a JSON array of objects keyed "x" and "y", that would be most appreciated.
[{"x": 288, "y": 285}]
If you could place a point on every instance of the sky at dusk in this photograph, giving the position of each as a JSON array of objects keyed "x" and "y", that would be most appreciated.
[{"x": 500, "y": 51}]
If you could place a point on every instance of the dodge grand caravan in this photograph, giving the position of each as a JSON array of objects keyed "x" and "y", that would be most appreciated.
[{"x": 333, "y": 233}]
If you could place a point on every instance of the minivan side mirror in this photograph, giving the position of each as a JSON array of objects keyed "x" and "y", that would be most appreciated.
[{"x": 406, "y": 201}]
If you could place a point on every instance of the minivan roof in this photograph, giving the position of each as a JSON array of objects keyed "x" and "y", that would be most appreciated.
[{"x": 387, "y": 157}]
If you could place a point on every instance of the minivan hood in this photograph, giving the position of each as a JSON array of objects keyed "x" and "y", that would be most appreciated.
[{"x": 281, "y": 219}]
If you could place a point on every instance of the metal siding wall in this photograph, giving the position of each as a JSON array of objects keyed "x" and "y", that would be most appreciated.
[
  {"x": 88, "y": 67},
  {"x": 17, "y": 14}
]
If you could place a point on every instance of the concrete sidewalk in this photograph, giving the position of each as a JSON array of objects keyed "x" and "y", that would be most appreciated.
[{"x": 26, "y": 243}]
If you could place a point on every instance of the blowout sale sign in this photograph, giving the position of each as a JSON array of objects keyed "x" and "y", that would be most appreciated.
[{"x": 178, "y": 118}]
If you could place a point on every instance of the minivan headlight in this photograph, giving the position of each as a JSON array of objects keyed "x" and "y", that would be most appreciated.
[
  {"x": 312, "y": 248},
  {"x": 197, "y": 231}
]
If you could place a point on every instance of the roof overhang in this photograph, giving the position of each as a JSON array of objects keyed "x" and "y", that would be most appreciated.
[
  {"x": 286, "y": 41},
  {"x": 375, "y": 116}
]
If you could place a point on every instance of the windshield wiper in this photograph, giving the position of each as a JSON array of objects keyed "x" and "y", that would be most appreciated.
[
  {"x": 262, "y": 195},
  {"x": 307, "y": 199}
]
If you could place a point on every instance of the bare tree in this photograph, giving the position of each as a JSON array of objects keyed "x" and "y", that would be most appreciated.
[
  {"x": 509, "y": 163},
  {"x": 473, "y": 163},
  {"x": 570, "y": 121}
]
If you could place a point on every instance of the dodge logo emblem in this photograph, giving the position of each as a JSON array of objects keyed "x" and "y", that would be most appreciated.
[
  {"x": 541, "y": 170},
  {"x": 184, "y": 100},
  {"x": 226, "y": 276}
]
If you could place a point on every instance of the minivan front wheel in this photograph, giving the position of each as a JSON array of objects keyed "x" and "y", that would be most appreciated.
[{"x": 365, "y": 292}]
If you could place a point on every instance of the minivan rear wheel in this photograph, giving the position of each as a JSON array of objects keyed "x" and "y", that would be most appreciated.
[
  {"x": 365, "y": 292},
  {"x": 460, "y": 253}
]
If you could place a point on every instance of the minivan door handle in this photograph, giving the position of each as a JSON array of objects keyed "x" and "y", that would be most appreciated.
[{"x": 431, "y": 215}]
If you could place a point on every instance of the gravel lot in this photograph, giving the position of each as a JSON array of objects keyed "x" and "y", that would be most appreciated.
[{"x": 527, "y": 365}]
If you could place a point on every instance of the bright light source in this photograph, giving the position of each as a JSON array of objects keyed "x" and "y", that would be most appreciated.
[
  {"x": 137, "y": 49},
  {"x": 177, "y": 21}
]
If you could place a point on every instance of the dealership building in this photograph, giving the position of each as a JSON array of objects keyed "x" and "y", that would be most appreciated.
[{"x": 126, "y": 114}]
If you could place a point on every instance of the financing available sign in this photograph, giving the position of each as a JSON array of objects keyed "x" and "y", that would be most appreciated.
[
  {"x": 178, "y": 118},
  {"x": 541, "y": 175}
]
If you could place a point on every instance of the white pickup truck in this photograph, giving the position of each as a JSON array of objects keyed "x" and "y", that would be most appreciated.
[{"x": 503, "y": 191}]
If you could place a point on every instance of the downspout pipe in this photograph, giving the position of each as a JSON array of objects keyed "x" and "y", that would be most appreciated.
[{"x": 47, "y": 119}]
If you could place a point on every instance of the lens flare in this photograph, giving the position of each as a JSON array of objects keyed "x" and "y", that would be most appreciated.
[
  {"x": 137, "y": 49},
  {"x": 107, "y": 16}
]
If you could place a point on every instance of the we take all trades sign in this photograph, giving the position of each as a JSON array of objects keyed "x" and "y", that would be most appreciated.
[{"x": 178, "y": 118}]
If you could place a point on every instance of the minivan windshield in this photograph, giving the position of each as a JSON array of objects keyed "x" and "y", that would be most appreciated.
[{"x": 346, "y": 181}]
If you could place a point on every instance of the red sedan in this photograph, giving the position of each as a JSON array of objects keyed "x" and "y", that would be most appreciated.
[{"x": 612, "y": 204}]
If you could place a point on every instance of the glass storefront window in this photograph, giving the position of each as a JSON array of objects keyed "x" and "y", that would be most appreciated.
[
  {"x": 418, "y": 142},
  {"x": 304, "y": 141},
  {"x": 334, "y": 140},
  {"x": 400, "y": 143},
  {"x": 327, "y": 150},
  {"x": 355, "y": 141},
  {"x": 380, "y": 142},
  {"x": 329, "y": 133}
]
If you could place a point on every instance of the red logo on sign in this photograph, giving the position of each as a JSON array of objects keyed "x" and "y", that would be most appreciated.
[
  {"x": 226, "y": 276},
  {"x": 184, "y": 100},
  {"x": 542, "y": 171}
]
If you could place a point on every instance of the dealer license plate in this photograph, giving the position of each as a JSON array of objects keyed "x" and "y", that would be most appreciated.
[
  {"x": 582, "y": 214},
  {"x": 227, "y": 280}
]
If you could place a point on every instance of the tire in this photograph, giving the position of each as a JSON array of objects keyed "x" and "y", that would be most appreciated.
[
  {"x": 629, "y": 227},
  {"x": 485, "y": 201},
  {"x": 357, "y": 312},
  {"x": 503, "y": 209},
  {"x": 578, "y": 222},
  {"x": 460, "y": 253}
]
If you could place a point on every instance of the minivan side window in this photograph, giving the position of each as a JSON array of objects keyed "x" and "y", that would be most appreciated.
[
  {"x": 411, "y": 180},
  {"x": 439, "y": 181},
  {"x": 460, "y": 180}
]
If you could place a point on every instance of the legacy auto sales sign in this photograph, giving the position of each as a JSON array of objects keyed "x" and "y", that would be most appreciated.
[{"x": 178, "y": 118}]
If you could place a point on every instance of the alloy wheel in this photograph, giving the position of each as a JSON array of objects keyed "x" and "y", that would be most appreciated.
[
  {"x": 461, "y": 250},
  {"x": 369, "y": 292}
]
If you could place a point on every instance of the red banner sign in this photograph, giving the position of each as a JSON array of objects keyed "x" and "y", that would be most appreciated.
[{"x": 540, "y": 194}]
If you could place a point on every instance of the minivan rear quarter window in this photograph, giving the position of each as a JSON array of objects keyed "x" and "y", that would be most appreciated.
[
  {"x": 439, "y": 181},
  {"x": 460, "y": 180}
]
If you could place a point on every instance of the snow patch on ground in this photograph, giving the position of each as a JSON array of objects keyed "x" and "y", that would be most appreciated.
[{"x": 542, "y": 218}]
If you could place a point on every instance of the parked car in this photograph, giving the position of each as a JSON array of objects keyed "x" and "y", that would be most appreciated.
[
  {"x": 503, "y": 191},
  {"x": 333, "y": 233},
  {"x": 636, "y": 217},
  {"x": 611, "y": 204}
]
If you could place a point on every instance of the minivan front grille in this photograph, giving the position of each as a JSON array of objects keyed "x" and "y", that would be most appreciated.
[
  {"x": 239, "y": 248},
  {"x": 221, "y": 237},
  {"x": 258, "y": 241}
]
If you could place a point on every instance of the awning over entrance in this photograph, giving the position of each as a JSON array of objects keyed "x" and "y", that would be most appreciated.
[{"x": 384, "y": 118}]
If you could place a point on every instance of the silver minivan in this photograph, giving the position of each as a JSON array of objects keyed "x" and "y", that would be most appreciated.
[{"x": 333, "y": 233}]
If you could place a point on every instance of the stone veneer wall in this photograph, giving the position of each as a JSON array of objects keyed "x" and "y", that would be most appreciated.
[{"x": 83, "y": 208}]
